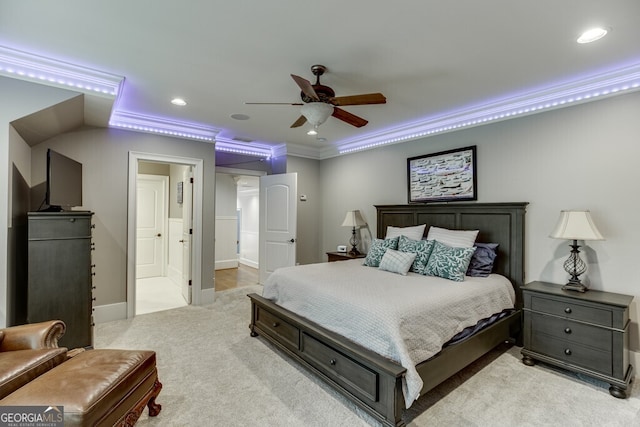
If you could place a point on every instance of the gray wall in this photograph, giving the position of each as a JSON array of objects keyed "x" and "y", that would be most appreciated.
[
  {"x": 581, "y": 157},
  {"x": 309, "y": 211},
  {"x": 104, "y": 155}
]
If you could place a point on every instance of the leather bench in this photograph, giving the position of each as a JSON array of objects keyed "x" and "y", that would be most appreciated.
[{"x": 97, "y": 387}]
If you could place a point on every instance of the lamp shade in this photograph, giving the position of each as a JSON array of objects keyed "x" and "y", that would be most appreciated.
[
  {"x": 576, "y": 225},
  {"x": 353, "y": 219},
  {"x": 316, "y": 113}
]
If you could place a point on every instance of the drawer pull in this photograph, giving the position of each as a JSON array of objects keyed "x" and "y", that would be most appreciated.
[
  {"x": 332, "y": 362},
  {"x": 276, "y": 324},
  {"x": 567, "y": 330},
  {"x": 567, "y": 310},
  {"x": 567, "y": 352}
]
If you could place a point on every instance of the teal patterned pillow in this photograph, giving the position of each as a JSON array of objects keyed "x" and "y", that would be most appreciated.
[
  {"x": 422, "y": 249},
  {"x": 396, "y": 261},
  {"x": 377, "y": 250},
  {"x": 449, "y": 263}
]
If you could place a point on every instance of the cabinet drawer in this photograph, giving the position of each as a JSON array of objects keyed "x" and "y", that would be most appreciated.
[
  {"x": 571, "y": 310},
  {"x": 60, "y": 228},
  {"x": 350, "y": 374},
  {"x": 572, "y": 353},
  {"x": 282, "y": 330},
  {"x": 571, "y": 331}
]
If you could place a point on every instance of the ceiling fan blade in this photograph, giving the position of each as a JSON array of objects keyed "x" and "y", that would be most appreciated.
[
  {"x": 306, "y": 87},
  {"x": 273, "y": 103},
  {"x": 368, "y": 98},
  {"x": 347, "y": 117},
  {"x": 301, "y": 120}
]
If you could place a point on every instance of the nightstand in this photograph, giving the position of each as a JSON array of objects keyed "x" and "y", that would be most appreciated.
[
  {"x": 343, "y": 256},
  {"x": 585, "y": 333}
]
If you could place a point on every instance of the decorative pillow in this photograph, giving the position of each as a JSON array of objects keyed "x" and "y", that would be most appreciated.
[
  {"x": 396, "y": 261},
  {"x": 481, "y": 264},
  {"x": 377, "y": 250},
  {"x": 453, "y": 238},
  {"x": 449, "y": 263},
  {"x": 416, "y": 232},
  {"x": 422, "y": 249}
]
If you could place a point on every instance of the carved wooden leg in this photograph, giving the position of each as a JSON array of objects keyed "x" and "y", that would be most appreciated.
[
  {"x": 528, "y": 361},
  {"x": 154, "y": 408}
]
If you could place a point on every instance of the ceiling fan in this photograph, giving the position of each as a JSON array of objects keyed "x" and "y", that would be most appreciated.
[{"x": 320, "y": 102}]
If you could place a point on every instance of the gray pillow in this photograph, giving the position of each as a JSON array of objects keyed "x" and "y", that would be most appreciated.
[
  {"x": 483, "y": 260},
  {"x": 449, "y": 263},
  {"x": 377, "y": 250},
  {"x": 396, "y": 261}
]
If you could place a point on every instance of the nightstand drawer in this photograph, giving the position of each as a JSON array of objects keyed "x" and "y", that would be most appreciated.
[
  {"x": 570, "y": 352},
  {"x": 571, "y": 331},
  {"x": 571, "y": 310}
]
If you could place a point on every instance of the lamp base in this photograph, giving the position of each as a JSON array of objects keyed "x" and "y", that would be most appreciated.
[
  {"x": 575, "y": 286},
  {"x": 354, "y": 251}
]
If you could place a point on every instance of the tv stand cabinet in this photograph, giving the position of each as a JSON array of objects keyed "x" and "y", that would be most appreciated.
[{"x": 59, "y": 270}]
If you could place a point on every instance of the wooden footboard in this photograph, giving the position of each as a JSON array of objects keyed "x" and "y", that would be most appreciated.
[{"x": 371, "y": 381}]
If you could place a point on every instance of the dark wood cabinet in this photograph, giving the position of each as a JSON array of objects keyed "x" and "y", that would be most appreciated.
[
  {"x": 342, "y": 256},
  {"x": 59, "y": 271},
  {"x": 582, "y": 332}
]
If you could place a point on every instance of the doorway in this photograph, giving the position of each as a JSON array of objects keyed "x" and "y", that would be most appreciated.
[
  {"x": 165, "y": 206},
  {"x": 237, "y": 227}
]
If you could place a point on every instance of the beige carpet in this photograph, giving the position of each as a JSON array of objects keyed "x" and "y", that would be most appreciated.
[{"x": 215, "y": 374}]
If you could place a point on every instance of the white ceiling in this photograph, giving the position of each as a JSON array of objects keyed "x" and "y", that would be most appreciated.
[{"x": 427, "y": 57}]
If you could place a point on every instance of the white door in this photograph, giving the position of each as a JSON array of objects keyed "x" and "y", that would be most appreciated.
[
  {"x": 278, "y": 214},
  {"x": 187, "y": 230},
  {"x": 152, "y": 210}
]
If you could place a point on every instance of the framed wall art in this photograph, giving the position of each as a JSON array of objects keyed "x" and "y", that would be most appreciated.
[{"x": 443, "y": 177}]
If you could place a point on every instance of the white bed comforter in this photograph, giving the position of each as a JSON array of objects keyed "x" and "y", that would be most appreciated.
[{"x": 404, "y": 318}]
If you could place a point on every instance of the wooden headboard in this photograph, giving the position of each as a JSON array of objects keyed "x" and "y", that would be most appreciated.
[{"x": 501, "y": 223}]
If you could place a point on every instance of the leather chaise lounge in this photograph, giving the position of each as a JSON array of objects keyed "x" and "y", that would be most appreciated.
[{"x": 93, "y": 387}]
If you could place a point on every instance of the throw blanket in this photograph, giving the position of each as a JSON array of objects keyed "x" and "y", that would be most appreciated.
[{"x": 404, "y": 318}]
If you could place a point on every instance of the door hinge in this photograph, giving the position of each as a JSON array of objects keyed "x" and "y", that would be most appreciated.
[
  {"x": 191, "y": 180},
  {"x": 191, "y": 231},
  {"x": 189, "y": 282}
]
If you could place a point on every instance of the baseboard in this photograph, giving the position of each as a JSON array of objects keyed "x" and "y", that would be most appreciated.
[
  {"x": 110, "y": 312},
  {"x": 175, "y": 275},
  {"x": 226, "y": 263},
  {"x": 207, "y": 296},
  {"x": 249, "y": 263},
  {"x": 634, "y": 360}
]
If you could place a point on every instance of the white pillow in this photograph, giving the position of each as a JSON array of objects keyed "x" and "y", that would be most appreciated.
[
  {"x": 397, "y": 262},
  {"x": 415, "y": 233},
  {"x": 453, "y": 238}
]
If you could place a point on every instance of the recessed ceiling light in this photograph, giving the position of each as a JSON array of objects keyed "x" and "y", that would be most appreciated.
[
  {"x": 240, "y": 116},
  {"x": 179, "y": 102},
  {"x": 592, "y": 35},
  {"x": 321, "y": 139},
  {"x": 312, "y": 132}
]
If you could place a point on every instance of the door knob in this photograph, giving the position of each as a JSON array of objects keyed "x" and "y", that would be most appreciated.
[
  {"x": 181, "y": 240},
  {"x": 292, "y": 241},
  {"x": 158, "y": 235}
]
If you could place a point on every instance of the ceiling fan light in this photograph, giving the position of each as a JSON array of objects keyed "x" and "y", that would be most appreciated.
[
  {"x": 316, "y": 113},
  {"x": 313, "y": 131}
]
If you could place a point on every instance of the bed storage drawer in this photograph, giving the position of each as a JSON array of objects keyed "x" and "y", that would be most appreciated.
[
  {"x": 283, "y": 331},
  {"x": 355, "y": 377}
]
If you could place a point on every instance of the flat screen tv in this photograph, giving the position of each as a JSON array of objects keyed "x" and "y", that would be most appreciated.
[{"x": 64, "y": 182}]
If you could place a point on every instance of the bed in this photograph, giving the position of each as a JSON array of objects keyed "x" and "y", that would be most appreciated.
[{"x": 371, "y": 380}]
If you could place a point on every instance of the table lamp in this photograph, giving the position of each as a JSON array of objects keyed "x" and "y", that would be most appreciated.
[
  {"x": 575, "y": 225},
  {"x": 354, "y": 219}
]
